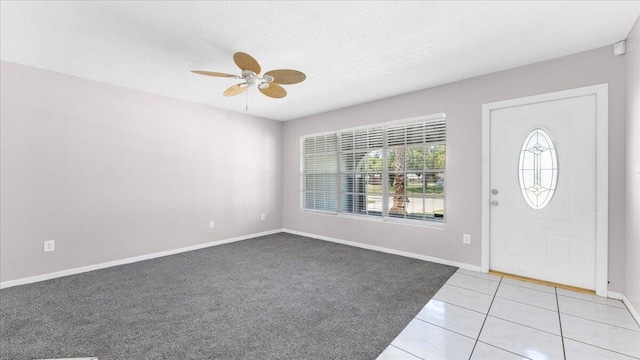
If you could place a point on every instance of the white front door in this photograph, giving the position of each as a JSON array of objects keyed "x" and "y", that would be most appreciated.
[{"x": 543, "y": 190}]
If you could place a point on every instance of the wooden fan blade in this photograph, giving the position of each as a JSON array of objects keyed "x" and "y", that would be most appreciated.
[
  {"x": 286, "y": 76},
  {"x": 274, "y": 91},
  {"x": 213, "y": 73},
  {"x": 246, "y": 62},
  {"x": 235, "y": 90}
]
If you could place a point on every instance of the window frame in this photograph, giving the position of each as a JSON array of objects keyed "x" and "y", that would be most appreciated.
[{"x": 386, "y": 187}]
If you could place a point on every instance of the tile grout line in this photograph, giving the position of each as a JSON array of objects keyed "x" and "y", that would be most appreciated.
[
  {"x": 596, "y": 303},
  {"x": 538, "y": 307},
  {"x": 444, "y": 328},
  {"x": 460, "y": 287},
  {"x": 485, "y": 319},
  {"x": 412, "y": 354},
  {"x": 509, "y": 351},
  {"x": 458, "y": 306},
  {"x": 558, "y": 295},
  {"x": 524, "y": 303},
  {"x": 523, "y": 325},
  {"x": 427, "y": 322},
  {"x": 600, "y": 322},
  {"x": 530, "y": 288},
  {"x": 564, "y": 351},
  {"x": 602, "y": 348}
]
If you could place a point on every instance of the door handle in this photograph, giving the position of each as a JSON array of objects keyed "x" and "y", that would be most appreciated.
[{"x": 494, "y": 202}]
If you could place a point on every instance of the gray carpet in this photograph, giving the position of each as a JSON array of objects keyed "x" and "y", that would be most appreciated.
[{"x": 275, "y": 297}]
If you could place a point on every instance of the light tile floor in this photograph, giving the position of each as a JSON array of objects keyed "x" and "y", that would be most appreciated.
[{"x": 478, "y": 316}]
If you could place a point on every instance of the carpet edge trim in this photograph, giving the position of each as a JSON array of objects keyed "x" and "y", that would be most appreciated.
[
  {"x": 387, "y": 250},
  {"x": 108, "y": 264}
]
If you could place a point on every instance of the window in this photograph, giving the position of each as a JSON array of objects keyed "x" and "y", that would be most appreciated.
[
  {"x": 319, "y": 171},
  {"x": 394, "y": 170},
  {"x": 361, "y": 164},
  {"x": 416, "y": 164}
]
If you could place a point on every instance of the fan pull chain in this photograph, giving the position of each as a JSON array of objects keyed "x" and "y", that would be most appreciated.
[{"x": 246, "y": 102}]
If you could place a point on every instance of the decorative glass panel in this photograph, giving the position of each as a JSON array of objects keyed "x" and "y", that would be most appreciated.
[{"x": 538, "y": 169}]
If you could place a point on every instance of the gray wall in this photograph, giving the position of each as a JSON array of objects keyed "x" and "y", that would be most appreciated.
[
  {"x": 632, "y": 245},
  {"x": 462, "y": 101},
  {"x": 111, "y": 173}
]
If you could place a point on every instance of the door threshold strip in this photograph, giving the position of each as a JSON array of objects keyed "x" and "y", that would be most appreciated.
[{"x": 542, "y": 282}]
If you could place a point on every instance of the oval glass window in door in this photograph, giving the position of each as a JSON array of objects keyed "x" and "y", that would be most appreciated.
[{"x": 538, "y": 169}]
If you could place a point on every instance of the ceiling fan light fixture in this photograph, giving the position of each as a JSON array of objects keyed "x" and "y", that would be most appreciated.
[
  {"x": 269, "y": 84},
  {"x": 248, "y": 73},
  {"x": 253, "y": 80}
]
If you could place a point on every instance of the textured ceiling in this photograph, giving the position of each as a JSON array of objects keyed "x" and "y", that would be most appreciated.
[{"x": 352, "y": 52}]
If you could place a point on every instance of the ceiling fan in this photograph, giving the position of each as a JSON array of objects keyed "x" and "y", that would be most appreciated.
[{"x": 268, "y": 84}]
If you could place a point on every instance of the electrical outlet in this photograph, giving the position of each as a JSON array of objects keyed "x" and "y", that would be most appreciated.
[
  {"x": 263, "y": 216},
  {"x": 466, "y": 239},
  {"x": 49, "y": 245},
  {"x": 211, "y": 224}
]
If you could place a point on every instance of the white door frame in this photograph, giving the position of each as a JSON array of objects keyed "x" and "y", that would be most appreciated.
[{"x": 602, "y": 173}]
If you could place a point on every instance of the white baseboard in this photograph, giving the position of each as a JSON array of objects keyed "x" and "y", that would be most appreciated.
[
  {"x": 632, "y": 310},
  {"x": 387, "y": 250},
  {"x": 57, "y": 274},
  {"x": 614, "y": 295}
]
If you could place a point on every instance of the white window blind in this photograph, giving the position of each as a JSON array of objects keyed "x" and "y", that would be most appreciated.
[
  {"x": 361, "y": 171},
  {"x": 319, "y": 172},
  {"x": 415, "y": 154}
]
